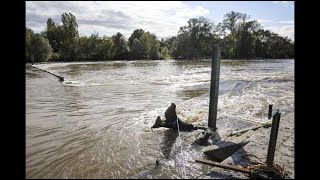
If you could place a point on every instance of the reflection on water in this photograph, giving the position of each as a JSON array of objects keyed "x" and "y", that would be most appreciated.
[
  {"x": 97, "y": 123},
  {"x": 169, "y": 138}
]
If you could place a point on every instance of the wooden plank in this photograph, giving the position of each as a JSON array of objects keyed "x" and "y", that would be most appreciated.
[
  {"x": 239, "y": 132},
  {"x": 230, "y": 167}
]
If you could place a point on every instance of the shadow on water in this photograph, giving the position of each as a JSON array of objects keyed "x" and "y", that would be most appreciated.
[
  {"x": 155, "y": 169},
  {"x": 169, "y": 138}
]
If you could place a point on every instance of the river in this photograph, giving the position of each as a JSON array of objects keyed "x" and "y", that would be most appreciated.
[{"x": 96, "y": 124}]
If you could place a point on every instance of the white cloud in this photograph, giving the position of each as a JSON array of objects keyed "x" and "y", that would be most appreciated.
[
  {"x": 107, "y": 18},
  {"x": 285, "y": 31},
  {"x": 286, "y": 22},
  {"x": 284, "y": 3},
  {"x": 263, "y": 22},
  {"x": 283, "y": 28}
]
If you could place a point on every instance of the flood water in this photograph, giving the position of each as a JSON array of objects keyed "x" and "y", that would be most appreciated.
[{"x": 96, "y": 124}]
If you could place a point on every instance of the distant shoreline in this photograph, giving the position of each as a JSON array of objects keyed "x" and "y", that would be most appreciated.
[{"x": 28, "y": 63}]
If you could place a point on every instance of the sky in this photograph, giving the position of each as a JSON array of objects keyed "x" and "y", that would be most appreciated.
[{"x": 163, "y": 18}]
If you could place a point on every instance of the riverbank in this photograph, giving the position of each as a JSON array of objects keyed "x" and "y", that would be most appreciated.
[{"x": 97, "y": 61}]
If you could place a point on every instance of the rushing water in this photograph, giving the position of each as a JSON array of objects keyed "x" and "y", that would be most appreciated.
[{"x": 96, "y": 124}]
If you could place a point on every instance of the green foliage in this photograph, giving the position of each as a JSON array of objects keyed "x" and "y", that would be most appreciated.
[
  {"x": 138, "y": 51},
  {"x": 121, "y": 48},
  {"x": 164, "y": 53},
  {"x": 54, "y": 35},
  {"x": 70, "y": 34},
  {"x": 136, "y": 34},
  {"x": 231, "y": 22},
  {"x": 154, "y": 51},
  {"x": 29, "y": 34},
  {"x": 54, "y": 57},
  {"x": 95, "y": 48},
  {"x": 238, "y": 36},
  {"x": 151, "y": 44},
  {"x": 195, "y": 40},
  {"x": 40, "y": 48}
]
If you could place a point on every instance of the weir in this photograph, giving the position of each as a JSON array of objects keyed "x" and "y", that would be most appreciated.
[{"x": 61, "y": 79}]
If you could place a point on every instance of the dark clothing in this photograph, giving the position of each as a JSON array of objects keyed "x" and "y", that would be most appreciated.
[{"x": 170, "y": 114}]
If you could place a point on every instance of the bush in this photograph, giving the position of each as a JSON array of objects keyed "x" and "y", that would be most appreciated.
[
  {"x": 40, "y": 48},
  {"x": 54, "y": 57}
]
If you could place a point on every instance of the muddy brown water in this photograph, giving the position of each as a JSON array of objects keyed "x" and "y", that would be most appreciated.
[{"x": 96, "y": 124}]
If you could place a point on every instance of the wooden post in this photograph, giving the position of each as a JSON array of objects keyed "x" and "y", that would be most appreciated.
[
  {"x": 273, "y": 138},
  {"x": 270, "y": 111},
  {"x": 214, "y": 87},
  {"x": 32, "y": 59}
]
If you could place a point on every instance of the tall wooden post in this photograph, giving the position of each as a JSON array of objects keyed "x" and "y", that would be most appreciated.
[
  {"x": 273, "y": 138},
  {"x": 214, "y": 87},
  {"x": 270, "y": 111}
]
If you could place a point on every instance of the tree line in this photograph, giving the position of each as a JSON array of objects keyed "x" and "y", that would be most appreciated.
[{"x": 238, "y": 36}]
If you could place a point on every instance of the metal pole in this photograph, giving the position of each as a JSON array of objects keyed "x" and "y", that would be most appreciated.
[
  {"x": 214, "y": 87},
  {"x": 273, "y": 138}
]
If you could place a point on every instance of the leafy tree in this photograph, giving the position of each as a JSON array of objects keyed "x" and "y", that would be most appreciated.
[
  {"x": 151, "y": 44},
  {"x": 136, "y": 34},
  {"x": 154, "y": 51},
  {"x": 107, "y": 48},
  {"x": 194, "y": 41},
  {"x": 231, "y": 22},
  {"x": 54, "y": 34},
  {"x": 246, "y": 42},
  {"x": 164, "y": 53},
  {"x": 238, "y": 37},
  {"x": 138, "y": 51},
  {"x": 70, "y": 36},
  {"x": 40, "y": 48},
  {"x": 29, "y": 34},
  {"x": 121, "y": 48}
]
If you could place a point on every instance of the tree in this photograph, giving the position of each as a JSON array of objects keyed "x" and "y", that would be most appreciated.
[
  {"x": 164, "y": 53},
  {"x": 136, "y": 34},
  {"x": 154, "y": 51},
  {"x": 40, "y": 48},
  {"x": 70, "y": 36},
  {"x": 246, "y": 39},
  {"x": 121, "y": 48},
  {"x": 138, "y": 51},
  {"x": 238, "y": 37},
  {"x": 29, "y": 34},
  {"x": 195, "y": 40},
  {"x": 151, "y": 44},
  {"x": 54, "y": 34},
  {"x": 230, "y": 23},
  {"x": 107, "y": 48}
]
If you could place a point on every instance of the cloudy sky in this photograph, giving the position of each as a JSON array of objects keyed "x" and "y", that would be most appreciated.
[{"x": 160, "y": 17}]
